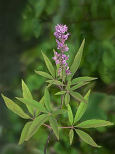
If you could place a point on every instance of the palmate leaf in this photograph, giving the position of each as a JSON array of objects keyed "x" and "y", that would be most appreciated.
[
  {"x": 60, "y": 111},
  {"x": 49, "y": 65},
  {"x": 82, "y": 108},
  {"x": 36, "y": 125},
  {"x": 79, "y": 85},
  {"x": 27, "y": 94},
  {"x": 94, "y": 123},
  {"x": 67, "y": 99},
  {"x": 60, "y": 93},
  {"x": 44, "y": 74},
  {"x": 71, "y": 135},
  {"x": 70, "y": 114},
  {"x": 82, "y": 79},
  {"x": 78, "y": 96},
  {"x": 34, "y": 104},
  {"x": 54, "y": 125},
  {"x": 15, "y": 108},
  {"x": 47, "y": 100},
  {"x": 86, "y": 138},
  {"x": 77, "y": 60},
  {"x": 24, "y": 132}
]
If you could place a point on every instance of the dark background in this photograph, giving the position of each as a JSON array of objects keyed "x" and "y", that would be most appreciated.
[{"x": 26, "y": 28}]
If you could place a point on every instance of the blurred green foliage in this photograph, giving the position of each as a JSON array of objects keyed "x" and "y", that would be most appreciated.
[{"x": 34, "y": 23}]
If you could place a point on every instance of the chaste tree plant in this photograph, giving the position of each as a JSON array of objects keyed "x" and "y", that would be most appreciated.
[{"x": 41, "y": 112}]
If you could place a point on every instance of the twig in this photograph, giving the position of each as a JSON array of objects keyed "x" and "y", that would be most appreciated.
[{"x": 59, "y": 127}]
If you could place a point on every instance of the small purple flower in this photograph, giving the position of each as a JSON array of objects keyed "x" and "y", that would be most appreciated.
[
  {"x": 61, "y": 58},
  {"x": 54, "y": 58},
  {"x": 67, "y": 71},
  {"x": 63, "y": 62},
  {"x": 57, "y": 61}
]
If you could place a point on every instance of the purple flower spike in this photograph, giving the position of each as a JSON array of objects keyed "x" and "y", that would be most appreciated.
[
  {"x": 61, "y": 37},
  {"x": 61, "y": 58}
]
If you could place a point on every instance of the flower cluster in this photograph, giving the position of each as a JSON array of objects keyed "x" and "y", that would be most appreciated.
[{"x": 61, "y": 58}]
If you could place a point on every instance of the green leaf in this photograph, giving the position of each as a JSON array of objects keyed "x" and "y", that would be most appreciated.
[
  {"x": 78, "y": 96},
  {"x": 36, "y": 125},
  {"x": 49, "y": 65},
  {"x": 26, "y": 91},
  {"x": 27, "y": 94},
  {"x": 33, "y": 104},
  {"x": 54, "y": 125},
  {"x": 70, "y": 114},
  {"x": 79, "y": 85},
  {"x": 82, "y": 79},
  {"x": 86, "y": 138},
  {"x": 94, "y": 123},
  {"x": 60, "y": 93},
  {"x": 71, "y": 135},
  {"x": 38, "y": 111},
  {"x": 36, "y": 27},
  {"x": 67, "y": 99},
  {"x": 38, "y": 7},
  {"x": 24, "y": 132},
  {"x": 47, "y": 100},
  {"x": 55, "y": 82},
  {"x": 44, "y": 74},
  {"x": 82, "y": 108},
  {"x": 60, "y": 111},
  {"x": 15, "y": 108},
  {"x": 68, "y": 85},
  {"x": 77, "y": 60},
  {"x": 58, "y": 66}
]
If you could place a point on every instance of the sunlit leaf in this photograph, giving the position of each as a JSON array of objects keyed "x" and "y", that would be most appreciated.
[
  {"x": 15, "y": 108},
  {"x": 68, "y": 85},
  {"x": 60, "y": 93},
  {"x": 67, "y": 99},
  {"x": 82, "y": 79},
  {"x": 55, "y": 82},
  {"x": 38, "y": 111},
  {"x": 71, "y": 135},
  {"x": 49, "y": 65},
  {"x": 77, "y": 60},
  {"x": 70, "y": 114},
  {"x": 58, "y": 66},
  {"x": 60, "y": 111},
  {"x": 78, "y": 96},
  {"x": 47, "y": 100},
  {"x": 24, "y": 132},
  {"x": 86, "y": 138},
  {"x": 79, "y": 85},
  {"x": 36, "y": 125},
  {"x": 82, "y": 108},
  {"x": 27, "y": 94},
  {"x": 94, "y": 123},
  {"x": 44, "y": 74},
  {"x": 54, "y": 125},
  {"x": 33, "y": 104}
]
